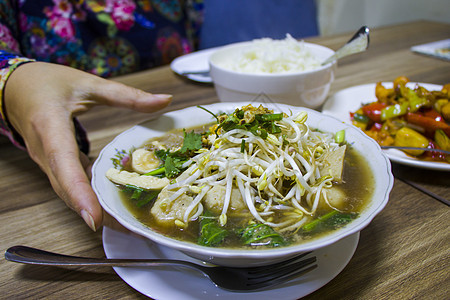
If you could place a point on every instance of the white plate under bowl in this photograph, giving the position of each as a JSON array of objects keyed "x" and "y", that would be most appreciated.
[
  {"x": 193, "y": 62},
  {"x": 167, "y": 283},
  {"x": 349, "y": 100}
]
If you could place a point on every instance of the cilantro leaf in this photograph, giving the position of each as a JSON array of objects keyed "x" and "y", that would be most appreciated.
[
  {"x": 173, "y": 165},
  {"x": 173, "y": 161},
  {"x": 162, "y": 154},
  {"x": 192, "y": 141}
]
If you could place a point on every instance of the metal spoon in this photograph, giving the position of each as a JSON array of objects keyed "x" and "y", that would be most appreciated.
[
  {"x": 198, "y": 73},
  {"x": 358, "y": 43}
]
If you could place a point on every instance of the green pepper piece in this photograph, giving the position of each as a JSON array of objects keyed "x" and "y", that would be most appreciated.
[
  {"x": 442, "y": 140},
  {"x": 415, "y": 102},
  {"x": 361, "y": 118},
  {"x": 393, "y": 111}
]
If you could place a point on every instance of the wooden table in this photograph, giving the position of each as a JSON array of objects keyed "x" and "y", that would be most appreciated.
[{"x": 402, "y": 254}]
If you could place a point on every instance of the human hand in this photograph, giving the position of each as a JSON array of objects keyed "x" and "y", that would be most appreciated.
[{"x": 41, "y": 100}]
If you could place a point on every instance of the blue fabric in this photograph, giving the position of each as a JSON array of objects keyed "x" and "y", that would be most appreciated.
[{"x": 230, "y": 21}]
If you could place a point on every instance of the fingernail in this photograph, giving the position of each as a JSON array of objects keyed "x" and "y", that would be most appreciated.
[
  {"x": 163, "y": 96},
  {"x": 88, "y": 219}
]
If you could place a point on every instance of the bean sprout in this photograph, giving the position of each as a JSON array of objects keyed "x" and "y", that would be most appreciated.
[{"x": 279, "y": 174}]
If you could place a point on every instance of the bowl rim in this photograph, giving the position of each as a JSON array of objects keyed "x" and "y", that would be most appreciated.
[
  {"x": 213, "y": 65},
  {"x": 187, "y": 247}
]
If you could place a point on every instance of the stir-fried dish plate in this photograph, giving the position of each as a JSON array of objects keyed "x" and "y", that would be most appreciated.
[{"x": 347, "y": 101}]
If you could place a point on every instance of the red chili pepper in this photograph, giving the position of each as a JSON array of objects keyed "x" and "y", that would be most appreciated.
[
  {"x": 373, "y": 110},
  {"x": 431, "y": 113},
  {"x": 431, "y": 155},
  {"x": 429, "y": 124},
  {"x": 376, "y": 126}
]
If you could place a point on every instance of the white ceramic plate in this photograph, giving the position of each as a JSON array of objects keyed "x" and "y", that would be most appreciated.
[
  {"x": 193, "y": 62},
  {"x": 190, "y": 117},
  {"x": 439, "y": 49},
  {"x": 167, "y": 283},
  {"x": 349, "y": 100}
]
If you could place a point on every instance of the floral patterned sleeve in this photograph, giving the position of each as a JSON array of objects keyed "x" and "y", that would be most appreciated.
[
  {"x": 102, "y": 37},
  {"x": 10, "y": 59}
]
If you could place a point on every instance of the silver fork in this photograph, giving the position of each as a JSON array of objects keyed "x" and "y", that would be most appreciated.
[{"x": 235, "y": 279}]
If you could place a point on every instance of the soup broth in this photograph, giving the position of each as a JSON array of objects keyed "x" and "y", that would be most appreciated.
[{"x": 357, "y": 186}]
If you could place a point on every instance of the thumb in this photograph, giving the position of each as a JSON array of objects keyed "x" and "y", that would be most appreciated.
[{"x": 120, "y": 95}]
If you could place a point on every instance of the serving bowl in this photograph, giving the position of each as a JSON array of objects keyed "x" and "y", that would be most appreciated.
[
  {"x": 299, "y": 88},
  {"x": 111, "y": 201}
]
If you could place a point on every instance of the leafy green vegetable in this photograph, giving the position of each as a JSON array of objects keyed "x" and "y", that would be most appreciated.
[
  {"x": 261, "y": 234},
  {"x": 192, "y": 141},
  {"x": 173, "y": 161},
  {"x": 147, "y": 198},
  {"x": 261, "y": 125},
  {"x": 139, "y": 195},
  {"x": 211, "y": 233},
  {"x": 331, "y": 220},
  {"x": 173, "y": 165}
]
